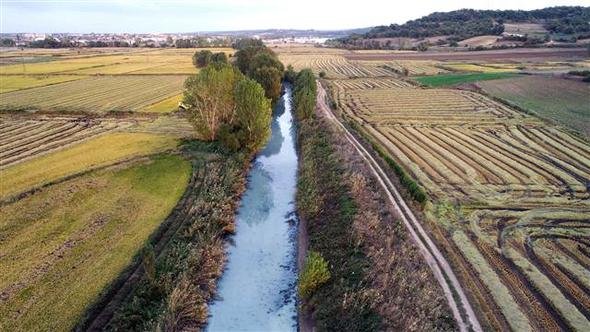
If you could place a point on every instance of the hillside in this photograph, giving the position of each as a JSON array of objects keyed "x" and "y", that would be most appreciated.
[{"x": 512, "y": 28}]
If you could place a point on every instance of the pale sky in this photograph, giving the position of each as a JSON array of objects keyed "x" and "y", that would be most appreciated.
[{"x": 214, "y": 15}]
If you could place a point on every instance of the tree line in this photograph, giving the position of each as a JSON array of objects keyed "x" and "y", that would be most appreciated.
[
  {"x": 467, "y": 23},
  {"x": 231, "y": 102}
]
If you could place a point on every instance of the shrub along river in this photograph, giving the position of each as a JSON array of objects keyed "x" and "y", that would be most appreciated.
[{"x": 257, "y": 291}]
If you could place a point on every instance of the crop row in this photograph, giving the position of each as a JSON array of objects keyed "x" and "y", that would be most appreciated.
[
  {"x": 21, "y": 140},
  {"x": 424, "y": 106},
  {"x": 96, "y": 94},
  {"x": 511, "y": 176},
  {"x": 335, "y": 66}
]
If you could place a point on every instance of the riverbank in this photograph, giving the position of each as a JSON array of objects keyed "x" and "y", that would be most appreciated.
[{"x": 379, "y": 280}]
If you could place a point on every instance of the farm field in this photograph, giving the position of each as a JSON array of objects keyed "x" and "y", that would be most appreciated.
[
  {"x": 564, "y": 101},
  {"x": 509, "y": 196},
  {"x": 45, "y": 79},
  {"x": 18, "y": 82},
  {"x": 96, "y": 163},
  {"x": 63, "y": 234},
  {"x": 100, "y": 151},
  {"x": 96, "y": 94},
  {"x": 453, "y": 79}
]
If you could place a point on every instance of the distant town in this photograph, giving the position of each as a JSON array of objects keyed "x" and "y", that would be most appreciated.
[{"x": 179, "y": 40}]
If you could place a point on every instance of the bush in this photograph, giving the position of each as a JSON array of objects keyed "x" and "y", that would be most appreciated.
[
  {"x": 322, "y": 74},
  {"x": 315, "y": 273}
]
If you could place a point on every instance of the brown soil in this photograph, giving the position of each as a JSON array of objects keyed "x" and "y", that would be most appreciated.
[{"x": 479, "y": 55}]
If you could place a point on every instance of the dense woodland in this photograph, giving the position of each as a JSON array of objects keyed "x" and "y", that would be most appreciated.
[{"x": 466, "y": 23}]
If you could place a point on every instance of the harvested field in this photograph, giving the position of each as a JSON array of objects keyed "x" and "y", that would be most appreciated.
[
  {"x": 493, "y": 55},
  {"x": 22, "y": 139},
  {"x": 97, "y": 152},
  {"x": 19, "y": 82},
  {"x": 398, "y": 105},
  {"x": 564, "y": 101},
  {"x": 96, "y": 94},
  {"x": 510, "y": 194},
  {"x": 64, "y": 245},
  {"x": 115, "y": 61},
  {"x": 477, "y": 67},
  {"x": 334, "y": 66},
  {"x": 411, "y": 67}
]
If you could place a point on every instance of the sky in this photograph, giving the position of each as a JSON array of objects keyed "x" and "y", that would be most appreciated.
[{"x": 136, "y": 16}]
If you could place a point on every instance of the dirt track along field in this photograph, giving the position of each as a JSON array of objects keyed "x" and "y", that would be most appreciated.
[{"x": 509, "y": 196}]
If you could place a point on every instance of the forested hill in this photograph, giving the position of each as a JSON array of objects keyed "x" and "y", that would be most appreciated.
[{"x": 466, "y": 23}]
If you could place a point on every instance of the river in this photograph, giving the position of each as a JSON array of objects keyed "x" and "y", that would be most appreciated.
[{"x": 257, "y": 291}]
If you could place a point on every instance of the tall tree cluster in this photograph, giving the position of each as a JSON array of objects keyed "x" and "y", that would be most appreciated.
[
  {"x": 203, "y": 58},
  {"x": 223, "y": 104},
  {"x": 261, "y": 64}
]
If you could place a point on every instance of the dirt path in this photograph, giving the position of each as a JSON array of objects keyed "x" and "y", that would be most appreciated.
[{"x": 437, "y": 262}]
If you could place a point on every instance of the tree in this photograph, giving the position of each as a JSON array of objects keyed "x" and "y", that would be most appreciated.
[
  {"x": 209, "y": 98},
  {"x": 253, "y": 115},
  {"x": 245, "y": 56},
  {"x": 219, "y": 58},
  {"x": 304, "y": 94},
  {"x": 290, "y": 74},
  {"x": 202, "y": 58},
  {"x": 270, "y": 79}
]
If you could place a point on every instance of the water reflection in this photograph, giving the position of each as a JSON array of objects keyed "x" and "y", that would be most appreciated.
[{"x": 257, "y": 290}]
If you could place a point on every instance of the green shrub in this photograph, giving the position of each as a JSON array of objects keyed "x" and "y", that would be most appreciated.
[
  {"x": 315, "y": 273},
  {"x": 304, "y": 94}
]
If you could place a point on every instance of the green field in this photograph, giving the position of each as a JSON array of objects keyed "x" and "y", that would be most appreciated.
[
  {"x": 564, "y": 101},
  {"x": 63, "y": 245},
  {"x": 96, "y": 94},
  {"x": 453, "y": 79}
]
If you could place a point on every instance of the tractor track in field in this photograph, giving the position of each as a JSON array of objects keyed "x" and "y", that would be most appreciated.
[{"x": 462, "y": 311}]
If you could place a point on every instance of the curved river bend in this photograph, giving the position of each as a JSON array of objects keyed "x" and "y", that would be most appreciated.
[{"x": 257, "y": 289}]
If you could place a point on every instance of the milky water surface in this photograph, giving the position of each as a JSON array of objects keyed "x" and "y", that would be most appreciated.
[{"x": 257, "y": 289}]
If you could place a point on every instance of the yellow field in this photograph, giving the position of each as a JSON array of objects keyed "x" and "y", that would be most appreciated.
[
  {"x": 165, "y": 106},
  {"x": 17, "y": 82},
  {"x": 63, "y": 245},
  {"x": 101, "y": 151},
  {"x": 96, "y": 94}
]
